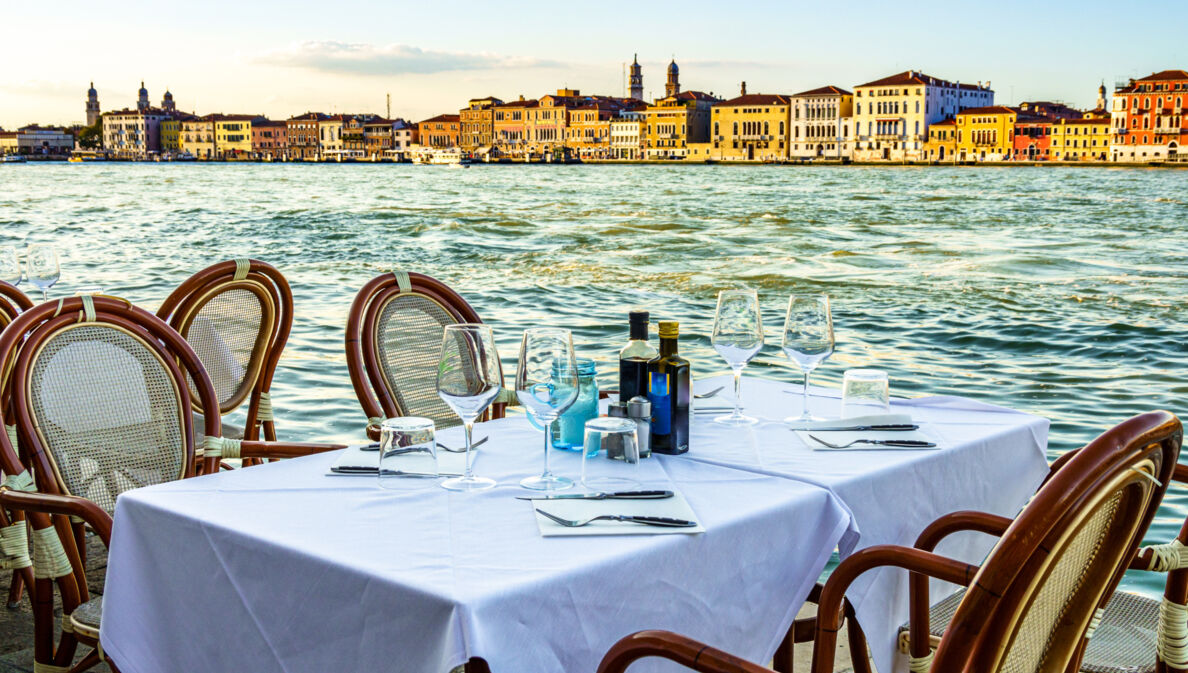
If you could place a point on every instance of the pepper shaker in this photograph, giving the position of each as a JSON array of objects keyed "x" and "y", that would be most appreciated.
[
  {"x": 639, "y": 409},
  {"x": 614, "y": 444}
]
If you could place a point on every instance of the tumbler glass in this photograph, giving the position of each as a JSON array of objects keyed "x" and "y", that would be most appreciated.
[
  {"x": 407, "y": 449},
  {"x": 610, "y": 461},
  {"x": 865, "y": 392}
]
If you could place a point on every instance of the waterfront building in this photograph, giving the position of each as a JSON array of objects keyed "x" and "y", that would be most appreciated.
[
  {"x": 673, "y": 122},
  {"x": 269, "y": 139},
  {"x": 301, "y": 132},
  {"x": 92, "y": 105},
  {"x": 133, "y": 134},
  {"x": 626, "y": 135},
  {"x": 545, "y": 123},
  {"x": 508, "y": 127},
  {"x": 822, "y": 120},
  {"x": 404, "y": 136},
  {"x": 330, "y": 137},
  {"x": 1148, "y": 118},
  {"x": 354, "y": 134},
  {"x": 198, "y": 138},
  {"x": 8, "y": 143},
  {"x": 749, "y": 127},
  {"x": 379, "y": 137},
  {"x": 892, "y": 114},
  {"x": 477, "y": 123},
  {"x": 171, "y": 135},
  {"x": 986, "y": 133},
  {"x": 1050, "y": 110},
  {"x": 44, "y": 140},
  {"x": 233, "y": 135},
  {"x": 942, "y": 141},
  {"x": 1033, "y": 138},
  {"x": 636, "y": 79},
  {"x": 440, "y": 131},
  {"x": 1085, "y": 139}
]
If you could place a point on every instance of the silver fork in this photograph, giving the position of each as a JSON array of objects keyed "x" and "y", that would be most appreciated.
[
  {"x": 908, "y": 443},
  {"x": 707, "y": 395},
  {"x": 645, "y": 520},
  {"x": 462, "y": 449}
]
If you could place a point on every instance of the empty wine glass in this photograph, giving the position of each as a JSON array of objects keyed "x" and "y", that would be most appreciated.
[
  {"x": 545, "y": 387},
  {"x": 469, "y": 377},
  {"x": 808, "y": 340},
  {"x": 42, "y": 269},
  {"x": 737, "y": 336},
  {"x": 10, "y": 265}
]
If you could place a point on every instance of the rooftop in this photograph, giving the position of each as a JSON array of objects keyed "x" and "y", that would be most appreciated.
[
  {"x": 755, "y": 99},
  {"x": 1165, "y": 76},
  {"x": 824, "y": 91},
  {"x": 989, "y": 109},
  {"x": 445, "y": 118},
  {"x": 917, "y": 77}
]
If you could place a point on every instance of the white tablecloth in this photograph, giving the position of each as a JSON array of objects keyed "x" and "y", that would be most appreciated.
[
  {"x": 282, "y": 568},
  {"x": 992, "y": 459}
]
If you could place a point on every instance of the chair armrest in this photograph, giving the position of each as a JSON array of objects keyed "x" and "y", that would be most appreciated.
[
  {"x": 674, "y": 647},
  {"x": 916, "y": 560},
  {"x": 990, "y": 524},
  {"x": 263, "y": 449},
  {"x": 93, "y": 515}
]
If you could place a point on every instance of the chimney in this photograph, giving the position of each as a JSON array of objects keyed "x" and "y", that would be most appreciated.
[
  {"x": 521, "y": 97},
  {"x": 743, "y": 91}
]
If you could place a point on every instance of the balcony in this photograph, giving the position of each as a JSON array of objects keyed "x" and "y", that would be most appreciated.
[
  {"x": 888, "y": 136},
  {"x": 1169, "y": 130}
]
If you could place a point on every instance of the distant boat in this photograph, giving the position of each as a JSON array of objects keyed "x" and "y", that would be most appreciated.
[
  {"x": 13, "y": 159},
  {"x": 446, "y": 156},
  {"x": 80, "y": 156}
]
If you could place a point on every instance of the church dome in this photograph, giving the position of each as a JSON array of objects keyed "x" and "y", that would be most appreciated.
[
  {"x": 91, "y": 91},
  {"x": 672, "y": 68},
  {"x": 168, "y": 95},
  {"x": 143, "y": 91}
]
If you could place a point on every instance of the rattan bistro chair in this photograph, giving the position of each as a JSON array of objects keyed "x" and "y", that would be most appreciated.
[
  {"x": 237, "y": 316},
  {"x": 393, "y": 340},
  {"x": 1029, "y": 606},
  {"x": 100, "y": 393},
  {"x": 12, "y": 303}
]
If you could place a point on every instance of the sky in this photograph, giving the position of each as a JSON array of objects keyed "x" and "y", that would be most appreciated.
[{"x": 284, "y": 58}]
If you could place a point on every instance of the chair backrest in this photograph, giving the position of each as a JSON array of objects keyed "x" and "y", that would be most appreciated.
[
  {"x": 12, "y": 303},
  {"x": 237, "y": 316},
  {"x": 393, "y": 341},
  {"x": 1033, "y": 599},
  {"x": 99, "y": 393}
]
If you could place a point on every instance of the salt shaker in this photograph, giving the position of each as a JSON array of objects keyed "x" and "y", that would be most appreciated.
[
  {"x": 614, "y": 445},
  {"x": 639, "y": 409}
]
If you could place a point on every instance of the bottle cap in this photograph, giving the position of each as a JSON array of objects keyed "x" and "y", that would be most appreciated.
[
  {"x": 668, "y": 329},
  {"x": 638, "y": 316},
  {"x": 639, "y": 407}
]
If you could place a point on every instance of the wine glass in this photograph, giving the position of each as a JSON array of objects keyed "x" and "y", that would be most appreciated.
[
  {"x": 10, "y": 265},
  {"x": 808, "y": 340},
  {"x": 737, "y": 336},
  {"x": 42, "y": 268},
  {"x": 469, "y": 377},
  {"x": 546, "y": 386}
]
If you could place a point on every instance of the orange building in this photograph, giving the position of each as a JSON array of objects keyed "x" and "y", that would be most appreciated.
[
  {"x": 440, "y": 131},
  {"x": 269, "y": 139},
  {"x": 477, "y": 122},
  {"x": 508, "y": 127},
  {"x": 1148, "y": 119}
]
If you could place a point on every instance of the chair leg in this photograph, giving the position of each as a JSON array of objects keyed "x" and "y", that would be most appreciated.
[
  {"x": 16, "y": 589},
  {"x": 859, "y": 653},
  {"x": 783, "y": 662},
  {"x": 88, "y": 662}
]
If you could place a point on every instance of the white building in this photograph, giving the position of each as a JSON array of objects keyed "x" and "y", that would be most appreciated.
[
  {"x": 44, "y": 140},
  {"x": 626, "y": 136},
  {"x": 822, "y": 124},
  {"x": 133, "y": 134},
  {"x": 892, "y": 114}
]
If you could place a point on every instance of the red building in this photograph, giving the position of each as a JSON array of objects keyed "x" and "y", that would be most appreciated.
[
  {"x": 440, "y": 131},
  {"x": 1148, "y": 118},
  {"x": 1033, "y": 138},
  {"x": 270, "y": 139}
]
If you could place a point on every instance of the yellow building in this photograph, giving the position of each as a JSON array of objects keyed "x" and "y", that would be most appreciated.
[
  {"x": 170, "y": 135},
  {"x": 233, "y": 136},
  {"x": 942, "y": 141},
  {"x": 986, "y": 133},
  {"x": 1086, "y": 139},
  {"x": 672, "y": 123},
  {"x": 198, "y": 137},
  {"x": 751, "y": 127}
]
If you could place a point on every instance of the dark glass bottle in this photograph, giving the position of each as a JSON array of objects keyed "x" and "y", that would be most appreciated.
[
  {"x": 634, "y": 358},
  {"x": 670, "y": 394}
]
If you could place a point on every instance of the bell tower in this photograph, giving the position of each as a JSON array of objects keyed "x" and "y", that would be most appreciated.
[
  {"x": 92, "y": 105},
  {"x": 636, "y": 79},
  {"x": 142, "y": 101},
  {"x": 673, "y": 86}
]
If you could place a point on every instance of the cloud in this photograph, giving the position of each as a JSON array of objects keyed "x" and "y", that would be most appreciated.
[{"x": 393, "y": 59}]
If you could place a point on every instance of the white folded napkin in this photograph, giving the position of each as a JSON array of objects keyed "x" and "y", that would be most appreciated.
[{"x": 823, "y": 429}]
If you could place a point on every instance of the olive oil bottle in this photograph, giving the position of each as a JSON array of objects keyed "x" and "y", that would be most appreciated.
[
  {"x": 670, "y": 392},
  {"x": 634, "y": 358}
]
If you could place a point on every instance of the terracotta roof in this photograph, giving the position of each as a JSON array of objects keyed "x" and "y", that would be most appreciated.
[
  {"x": 755, "y": 99},
  {"x": 947, "y": 122},
  {"x": 695, "y": 95},
  {"x": 914, "y": 77},
  {"x": 268, "y": 123},
  {"x": 310, "y": 117},
  {"x": 989, "y": 109},
  {"x": 519, "y": 103},
  {"x": 823, "y": 91},
  {"x": 446, "y": 118},
  {"x": 1087, "y": 120},
  {"x": 1165, "y": 76}
]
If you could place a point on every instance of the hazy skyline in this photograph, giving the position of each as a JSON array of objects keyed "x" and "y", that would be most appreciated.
[{"x": 284, "y": 58}]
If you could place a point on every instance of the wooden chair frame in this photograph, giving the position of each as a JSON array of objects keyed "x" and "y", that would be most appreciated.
[
  {"x": 13, "y": 302},
  {"x": 371, "y": 388},
  {"x": 976, "y": 638},
  {"x": 50, "y": 505},
  {"x": 272, "y": 289}
]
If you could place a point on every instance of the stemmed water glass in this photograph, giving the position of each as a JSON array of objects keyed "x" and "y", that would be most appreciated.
[
  {"x": 10, "y": 266},
  {"x": 808, "y": 340},
  {"x": 469, "y": 378},
  {"x": 546, "y": 386},
  {"x": 42, "y": 269},
  {"x": 737, "y": 336}
]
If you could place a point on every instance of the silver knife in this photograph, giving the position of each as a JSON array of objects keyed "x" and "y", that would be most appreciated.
[
  {"x": 864, "y": 428},
  {"x": 618, "y": 495}
]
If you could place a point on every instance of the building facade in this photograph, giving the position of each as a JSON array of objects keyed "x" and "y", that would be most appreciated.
[
  {"x": 1148, "y": 118},
  {"x": 942, "y": 141},
  {"x": 509, "y": 127},
  {"x": 43, "y": 140},
  {"x": 476, "y": 123},
  {"x": 750, "y": 127},
  {"x": 269, "y": 139},
  {"x": 674, "y": 122},
  {"x": 198, "y": 138},
  {"x": 822, "y": 121},
  {"x": 301, "y": 132},
  {"x": 233, "y": 136},
  {"x": 986, "y": 133},
  {"x": 1033, "y": 138},
  {"x": 626, "y": 135},
  {"x": 440, "y": 131},
  {"x": 892, "y": 114},
  {"x": 1085, "y": 139},
  {"x": 133, "y": 134},
  {"x": 330, "y": 145}
]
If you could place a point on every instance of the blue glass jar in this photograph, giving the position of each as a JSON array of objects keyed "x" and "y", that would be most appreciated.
[{"x": 569, "y": 431}]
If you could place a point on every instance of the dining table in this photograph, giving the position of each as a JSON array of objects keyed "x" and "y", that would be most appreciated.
[{"x": 286, "y": 567}]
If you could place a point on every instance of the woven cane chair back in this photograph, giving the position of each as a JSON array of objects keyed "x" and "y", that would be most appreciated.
[
  {"x": 108, "y": 411},
  {"x": 394, "y": 338},
  {"x": 1034, "y": 598},
  {"x": 12, "y": 303}
]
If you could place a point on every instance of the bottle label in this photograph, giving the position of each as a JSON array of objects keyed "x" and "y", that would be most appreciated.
[{"x": 658, "y": 393}]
